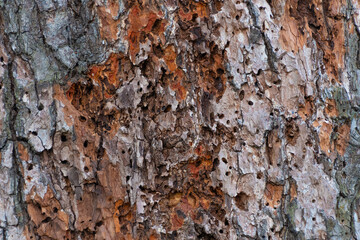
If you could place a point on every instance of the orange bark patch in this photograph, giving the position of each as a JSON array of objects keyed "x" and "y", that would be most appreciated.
[
  {"x": 330, "y": 108},
  {"x": 211, "y": 72},
  {"x": 176, "y": 85},
  {"x": 273, "y": 194},
  {"x": 342, "y": 140},
  {"x": 90, "y": 99},
  {"x": 177, "y": 75},
  {"x": 107, "y": 74},
  {"x": 153, "y": 237},
  {"x": 200, "y": 165},
  {"x": 142, "y": 22},
  {"x": 123, "y": 218},
  {"x": 322, "y": 21},
  {"x": 170, "y": 58},
  {"x": 47, "y": 215},
  {"x": 176, "y": 221},
  {"x": 293, "y": 190},
  {"x": 106, "y": 178},
  {"x": 108, "y": 24},
  {"x": 273, "y": 147},
  {"x": 86, "y": 139},
  {"x": 306, "y": 110},
  {"x": 23, "y": 152},
  {"x": 198, "y": 9},
  {"x": 325, "y": 132},
  {"x": 189, "y": 205},
  {"x": 291, "y": 38},
  {"x": 174, "y": 199}
]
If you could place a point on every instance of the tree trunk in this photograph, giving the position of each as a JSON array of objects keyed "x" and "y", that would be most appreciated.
[{"x": 179, "y": 119}]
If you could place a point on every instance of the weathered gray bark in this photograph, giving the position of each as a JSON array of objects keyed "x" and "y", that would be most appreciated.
[{"x": 179, "y": 119}]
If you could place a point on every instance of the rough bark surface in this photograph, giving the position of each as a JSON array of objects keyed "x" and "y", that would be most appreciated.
[{"x": 179, "y": 119}]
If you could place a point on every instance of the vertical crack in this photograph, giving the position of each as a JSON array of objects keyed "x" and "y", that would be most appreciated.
[{"x": 20, "y": 205}]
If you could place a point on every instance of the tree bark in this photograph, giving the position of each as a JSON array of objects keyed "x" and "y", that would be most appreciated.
[{"x": 179, "y": 119}]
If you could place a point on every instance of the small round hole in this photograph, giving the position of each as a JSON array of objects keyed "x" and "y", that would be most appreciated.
[
  {"x": 40, "y": 107},
  {"x": 63, "y": 138},
  {"x": 30, "y": 167}
]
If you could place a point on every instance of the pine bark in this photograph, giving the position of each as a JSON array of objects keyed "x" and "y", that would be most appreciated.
[{"x": 179, "y": 119}]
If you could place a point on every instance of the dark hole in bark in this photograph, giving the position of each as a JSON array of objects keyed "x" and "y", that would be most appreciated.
[
  {"x": 241, "y": 201},
  {"x": 63, "y": 138},
  {"x": 197, "y": 163},
  {"x": 30, "y": 167},
  {"x": 46, "y": 220},
  {"x": 98, "y": 224},
  {"x": 65, "y": 162},
  {"x": 40, "y": 107},
  {"x": 220, "y": 71},
  {"x": 215, "y": 164},
  {"x": 168, "y": 108},
  {"x": 86, "y": 143}
]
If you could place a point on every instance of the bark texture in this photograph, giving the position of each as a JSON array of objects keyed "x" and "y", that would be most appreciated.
[{"x": 179, "y": 119}]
